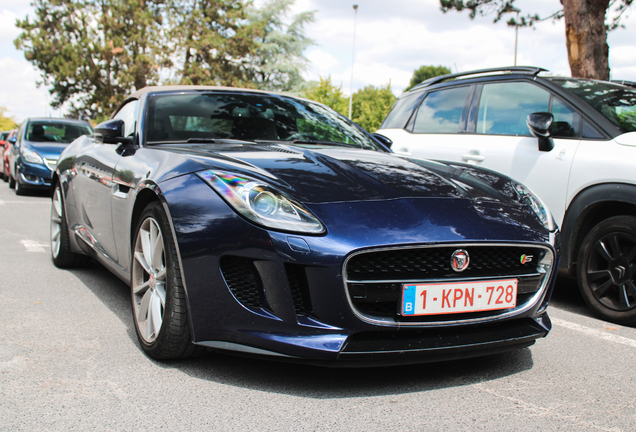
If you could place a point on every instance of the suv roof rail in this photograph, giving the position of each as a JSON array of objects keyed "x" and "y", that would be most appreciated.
[
  {"x": 519, "y": 69},
  {"x": 625, "y": 83}
]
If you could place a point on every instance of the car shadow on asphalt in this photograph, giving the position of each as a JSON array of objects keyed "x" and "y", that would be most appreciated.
[{"x": 303, "y": 380}]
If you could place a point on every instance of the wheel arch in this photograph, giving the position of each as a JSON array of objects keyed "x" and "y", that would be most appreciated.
[{"x": 587, "y": 209}]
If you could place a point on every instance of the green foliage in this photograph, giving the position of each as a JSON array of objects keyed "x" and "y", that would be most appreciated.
[
  {"x": 327, "y": 93},
  {"x": 6, "y": 123},
  {"x": 278, "y": 60},
  {"x": 93, "y": 53},
  {"x": 370, "y": 105},
  {"x": 214, "y": 41},
  {"x": 426, "y": 72}
]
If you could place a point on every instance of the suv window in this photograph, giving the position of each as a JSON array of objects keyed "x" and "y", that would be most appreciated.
[
  {"x": 401, "y": 112},
  {"x": 441, "y": 111},
  {"x": 567, "y": 122},
  {"x": 504, "y": 107}
]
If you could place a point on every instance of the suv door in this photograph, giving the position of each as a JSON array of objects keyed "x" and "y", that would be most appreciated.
[{"x": 432, "y": 131}]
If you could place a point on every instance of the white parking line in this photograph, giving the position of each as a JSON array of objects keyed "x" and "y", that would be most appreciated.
[
  {"x": 33, "y": 246},
  {"x": 2, "y": 202},
  {"x": 595, "y": 333}
]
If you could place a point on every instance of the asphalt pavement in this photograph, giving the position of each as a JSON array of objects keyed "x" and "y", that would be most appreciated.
[{"x": 70, "y": 360}]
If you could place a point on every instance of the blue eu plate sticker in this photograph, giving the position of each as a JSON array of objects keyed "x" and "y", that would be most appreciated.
[{"x": 408, "y": 300}]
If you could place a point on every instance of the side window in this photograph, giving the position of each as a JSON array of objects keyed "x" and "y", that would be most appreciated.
[
  {"x": 504, "y": 107},
  {"x": 441, "y": 111},
  {"x": 566, "y": 120},
  {"x": 128, "y": 113},
  {"x": 401, "y": 112}
]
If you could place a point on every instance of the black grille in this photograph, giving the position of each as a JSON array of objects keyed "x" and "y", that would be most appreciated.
[
  {"x": 242, "y": 279},
  {"x": 374, "y": 279},
  {"x": 434, "y": 263}
]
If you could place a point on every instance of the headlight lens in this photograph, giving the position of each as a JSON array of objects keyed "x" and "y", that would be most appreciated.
[
  {"x": 541, "y": 210},
  {"x": 262, "y": 204},
  {"x": 31, "y": 156}
]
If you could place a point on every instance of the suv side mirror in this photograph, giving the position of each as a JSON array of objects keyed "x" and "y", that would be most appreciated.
[
  {"x": 112, "y": 132},
  {"x": 13, "y": 140},
  {"x": 386, "y": 141},
  {"x": 540, "y": 125}
]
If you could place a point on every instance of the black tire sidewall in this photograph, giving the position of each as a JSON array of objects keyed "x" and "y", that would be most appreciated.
[{"x": 616, "y": 224}]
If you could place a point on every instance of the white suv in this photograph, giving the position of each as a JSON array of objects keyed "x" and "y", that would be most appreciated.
[{"x": 581, "y": 160}]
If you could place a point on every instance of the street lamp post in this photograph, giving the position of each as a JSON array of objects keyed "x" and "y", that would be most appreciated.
[
  {"x": 353, "y": 54},
  {"x": 510, "y": 8}
]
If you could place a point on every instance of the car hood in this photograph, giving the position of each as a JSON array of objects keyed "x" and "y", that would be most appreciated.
[
  {"x": 46, "y": 149},
  {"x": 337, "y": 174}
]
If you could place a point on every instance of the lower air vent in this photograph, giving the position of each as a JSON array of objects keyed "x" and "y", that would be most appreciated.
[{"x": 242, "y": 279}]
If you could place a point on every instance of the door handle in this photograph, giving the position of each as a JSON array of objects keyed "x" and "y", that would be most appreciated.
[{"x": 473, "y": 156}]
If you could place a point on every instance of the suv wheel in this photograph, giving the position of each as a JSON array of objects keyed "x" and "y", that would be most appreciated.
[{"x": 606, "y": 269}]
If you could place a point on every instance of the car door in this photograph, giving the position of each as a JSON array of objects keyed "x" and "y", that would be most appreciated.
[
  {"x": 498, "y": 138},
  {"x": 94, "y": 188},
  {"x": 435, "y": 130}
]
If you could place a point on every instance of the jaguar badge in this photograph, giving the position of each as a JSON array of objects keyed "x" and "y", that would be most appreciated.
[{"x": 460, "y": 260}]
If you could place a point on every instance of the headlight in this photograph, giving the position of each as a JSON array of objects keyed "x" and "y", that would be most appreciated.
[
  {"x": 541, "y": 210},
  {"x": 31, "y": 156},
  {"x": 262, "y": 204}
]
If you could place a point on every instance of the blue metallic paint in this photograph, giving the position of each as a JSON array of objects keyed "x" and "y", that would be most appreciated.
[{"x": 365, "y": 199}]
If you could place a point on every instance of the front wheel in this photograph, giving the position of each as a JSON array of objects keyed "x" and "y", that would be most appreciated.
[
  {"x": 159, "y": 305},
  {"x": 606, "y": 269},
  {"x": 61, "y": 253}
]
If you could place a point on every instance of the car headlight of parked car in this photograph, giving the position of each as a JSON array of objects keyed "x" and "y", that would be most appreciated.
[
  {"x": 31, "y": 156},
  {"x": 541, "y": 210},
  {"x": 262, "y": 204}
]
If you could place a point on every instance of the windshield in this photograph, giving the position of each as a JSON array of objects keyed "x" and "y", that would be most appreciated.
[
  {"x": 616, "y": 102},
  {"x": 250, "y": 117},
  {"x": 56, "y": 132}
]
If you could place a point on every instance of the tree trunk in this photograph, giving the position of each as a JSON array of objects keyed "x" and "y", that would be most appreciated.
[{"x": 586, "y": 38}]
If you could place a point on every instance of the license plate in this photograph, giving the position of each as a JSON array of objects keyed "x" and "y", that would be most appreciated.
[{"x": 458, "y": 297}]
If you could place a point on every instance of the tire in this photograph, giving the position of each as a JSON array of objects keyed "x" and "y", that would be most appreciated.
[
  {"x": 19, "y": 189},
  {"x": 61, "y": 253},
  {"x": 11, "y": 182},
  {"x": 159, "y": 305},
  {"x": 606, "y": 269}
]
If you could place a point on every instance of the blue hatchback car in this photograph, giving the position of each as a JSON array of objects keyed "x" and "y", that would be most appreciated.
[{"x": 36, "y": 149}]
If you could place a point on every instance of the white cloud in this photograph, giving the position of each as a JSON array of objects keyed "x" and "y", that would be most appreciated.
[{"x": 19, "y": 93}]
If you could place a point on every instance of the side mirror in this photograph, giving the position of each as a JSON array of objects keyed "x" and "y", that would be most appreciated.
[
  {"x": 384, "y": 140},
  {"x": 540, "y": 125},
  {"x": 112, "y": 132},
  {"x": 13, "y": 140}
]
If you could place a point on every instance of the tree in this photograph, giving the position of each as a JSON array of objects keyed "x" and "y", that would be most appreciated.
[
  {"x": 213, "y": 42},
  {"x": 327, "y": 93},
  {"x": 6, "y": 123},
  {"x": 586, "y": 26},
  {"x": 278, "y": 60},
  {"x": 426, "y": 72},
  {"x": 93, "y": 53},
  {"x": 370, "y": 105}
]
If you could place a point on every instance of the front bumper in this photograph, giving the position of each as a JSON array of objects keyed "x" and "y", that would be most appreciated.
[{"x": 257, "y": 292}]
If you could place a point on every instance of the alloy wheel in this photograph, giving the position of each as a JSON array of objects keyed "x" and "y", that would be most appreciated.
[
  {"x": 56, "y": 222},
  {"x": 610, "y": 271},
  {"x": 149, "y": 280}
]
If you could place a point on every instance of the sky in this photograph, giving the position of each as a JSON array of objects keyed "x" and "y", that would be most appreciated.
[{"x": 392, "y": 39}]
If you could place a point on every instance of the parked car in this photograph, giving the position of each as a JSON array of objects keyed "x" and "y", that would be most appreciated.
[
  {"x": 3, "y": 140},
  {"x": 581, "y": 165},
  {"x": 5, "y": 150},
  {"x": 264, "y": 224},
  {"x": 37, "y": 147}
]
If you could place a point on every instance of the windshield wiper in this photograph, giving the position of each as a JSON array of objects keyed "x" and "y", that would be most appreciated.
[
  {"x": 202, "y": 140},
  {"x": 310, "y": 141}
]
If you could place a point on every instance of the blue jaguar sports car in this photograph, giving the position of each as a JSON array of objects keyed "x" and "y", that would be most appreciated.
[{"x": 268, "y": 225}]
